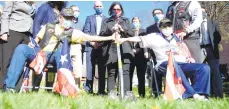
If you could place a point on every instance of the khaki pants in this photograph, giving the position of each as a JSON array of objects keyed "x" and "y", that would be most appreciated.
[{"x": 76, "y": 57}]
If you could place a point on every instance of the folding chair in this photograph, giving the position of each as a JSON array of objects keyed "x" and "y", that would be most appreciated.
[
  {"x": 25, "y": 85},
  {"x": 36, "y": 85}
]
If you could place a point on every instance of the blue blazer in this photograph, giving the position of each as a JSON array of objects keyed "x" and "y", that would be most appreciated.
[
  {"x": 90, "y": 28},
  {"x": 44, "y": 15}
]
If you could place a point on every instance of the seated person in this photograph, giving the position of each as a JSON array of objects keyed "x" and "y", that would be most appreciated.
[
  {"x": 161, "y": 43},
  {"x": 48, "y": 43}
]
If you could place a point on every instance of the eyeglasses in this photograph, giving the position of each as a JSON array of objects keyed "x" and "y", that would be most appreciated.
[
  {"x": 76, "y": 10},
  {"x": 157, "y": 13},
  {"x": 98, "y": 6},
  {"x": 117, "y": 9}
]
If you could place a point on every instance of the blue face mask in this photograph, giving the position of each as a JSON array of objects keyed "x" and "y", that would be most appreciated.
[
  {"x": 99, "y": 11},
  {"x": 158, "y": 17},
  {"x": 204, "y": 14},
  {"x": 31, "y": 9},
  {"x": 136, "y": 25},
  {"x": 67, "y": 24},
  {"x": 76, "y": 15}
]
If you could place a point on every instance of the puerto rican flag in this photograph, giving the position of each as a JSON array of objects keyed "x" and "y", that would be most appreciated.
[
  {"x": 176, "y": 84},
  {"x": 65, "y": 84}
]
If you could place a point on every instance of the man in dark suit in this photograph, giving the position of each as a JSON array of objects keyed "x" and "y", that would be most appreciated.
[
  {"x": 209, "y": 40},
  {"x": 158, "y": 15},
  {"x": 93, "y": 51}
]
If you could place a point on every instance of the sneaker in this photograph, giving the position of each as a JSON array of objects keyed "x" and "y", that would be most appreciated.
[
  {"x": 200, "y": 97},
  {"x": 88, "y": 86},
  {"x": 130, "y": 96},
  {"x": 8, "y": 90},
  {"x": 113, "y": 94}
]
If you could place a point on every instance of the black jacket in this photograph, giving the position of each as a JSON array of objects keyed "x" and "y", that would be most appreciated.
[
  {"x": 215, "y": 36},
  {"x": 152, "y": 29},
  {"x": 137, "y": 46},
  {"x": 109, "y": 47}
]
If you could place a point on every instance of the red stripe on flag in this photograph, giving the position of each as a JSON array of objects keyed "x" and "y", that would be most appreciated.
[
  {"x": 63, "y": 85},
  {"x": 173, "y": 87}
]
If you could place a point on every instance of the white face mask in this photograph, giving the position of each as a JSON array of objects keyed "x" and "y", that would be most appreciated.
[{"x": 167, "y": 32}]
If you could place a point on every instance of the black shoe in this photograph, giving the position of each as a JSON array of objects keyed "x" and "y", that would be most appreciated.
[
  {"x": 113, "y": 94},
  {"x": 89, "y": 86},
  {"x": 102, "y": 93}
]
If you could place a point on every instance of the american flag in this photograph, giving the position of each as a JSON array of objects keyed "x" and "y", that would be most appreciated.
[
  {"x": 65, "y": 84},
  {"x": 176, "y": 82}
]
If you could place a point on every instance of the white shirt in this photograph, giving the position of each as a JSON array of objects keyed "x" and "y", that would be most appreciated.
[
  {"x": 160, "y": 46},
  {"x": 98, "y": 23},
  {"x": 206, "y": 33}
]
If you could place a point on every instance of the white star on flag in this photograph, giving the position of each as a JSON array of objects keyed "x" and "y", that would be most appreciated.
[{"x": 63, "y": 58}]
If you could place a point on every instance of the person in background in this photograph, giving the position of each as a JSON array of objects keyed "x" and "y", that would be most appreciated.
[
  {"x": 1, "y": 9},
  {"x": 16, "y": 28},
  {"x": 75, "y": 50},
  {"x": 93, "y": 49},
  {"x": 25, "y": 51},
  {"x": 2, "y": 76},
  {"x": 47, "y": 13},
  {"x": 210, "y": 38},
  {"x": 140, "y": 59},
  {"x": 186, "y": 22},
  {"x": 109, "y": 26},
  {"x": 158, "y": 15}
]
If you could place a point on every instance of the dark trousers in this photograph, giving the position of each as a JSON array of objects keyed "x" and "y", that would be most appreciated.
[
  {"x": 199, "y": 72},
  {"x": 2, "y": 74},
  {"x": 216, "y": 81},
  {"x": 112, "y": 74},
  {"x": 139, "y": 62},
  {"x": 15, "y": 38},
  {"x": 96, "y": 58}
]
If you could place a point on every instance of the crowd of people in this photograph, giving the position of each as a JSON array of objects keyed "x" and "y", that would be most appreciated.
[{"x": 185, "y": 28}]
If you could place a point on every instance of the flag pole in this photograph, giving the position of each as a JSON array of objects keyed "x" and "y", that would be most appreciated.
[{"x": 179, "y": 87}]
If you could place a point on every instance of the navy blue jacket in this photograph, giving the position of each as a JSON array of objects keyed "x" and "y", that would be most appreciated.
[
  {"x": 44, "y": 15},
  {"x": 90, "y": 28}
]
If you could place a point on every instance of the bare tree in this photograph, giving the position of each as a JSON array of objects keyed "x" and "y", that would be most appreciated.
[{"x": 219, "y": 11}]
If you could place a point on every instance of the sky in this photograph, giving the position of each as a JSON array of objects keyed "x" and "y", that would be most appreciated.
[{"x": 142, "y": 9}]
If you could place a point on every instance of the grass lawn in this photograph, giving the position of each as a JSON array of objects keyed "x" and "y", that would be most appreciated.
[{"x": 44, "y": 100}]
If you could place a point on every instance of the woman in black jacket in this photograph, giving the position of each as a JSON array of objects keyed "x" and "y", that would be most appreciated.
[{"x": 109, "y": 48}]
